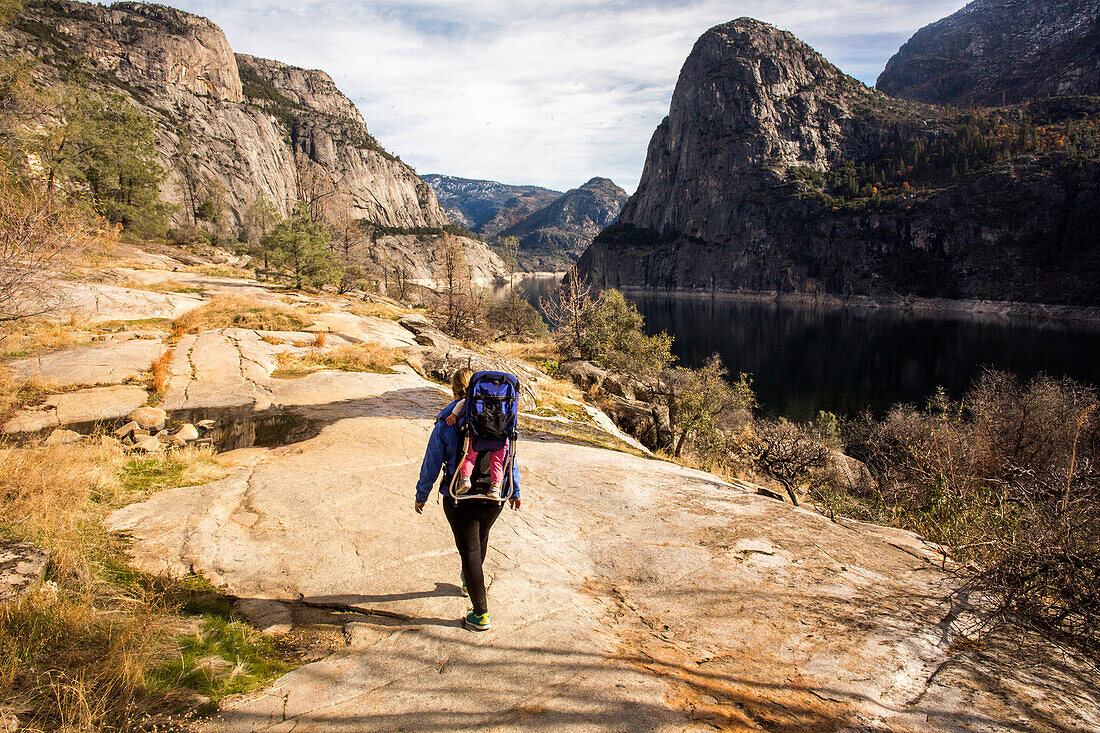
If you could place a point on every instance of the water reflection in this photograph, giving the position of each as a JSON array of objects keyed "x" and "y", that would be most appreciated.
[{"x": 805, "y": 358}]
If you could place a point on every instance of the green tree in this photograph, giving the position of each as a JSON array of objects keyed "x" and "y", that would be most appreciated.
[
  {"x": 299, "y": 248},
  {"x": 700, "y": 398},
  {"x": 9, "y": 9},
  {"x": 612, "y": 335},
  {"x": 107, "y": 148}
]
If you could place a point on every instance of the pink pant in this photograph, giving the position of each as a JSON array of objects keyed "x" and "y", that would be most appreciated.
[{"x": 496, "y": 464}]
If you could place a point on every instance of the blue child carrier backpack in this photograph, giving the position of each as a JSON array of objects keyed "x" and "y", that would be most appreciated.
[{"x": 489, "y": 421}]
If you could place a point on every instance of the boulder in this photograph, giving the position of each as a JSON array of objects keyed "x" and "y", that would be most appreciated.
[
  {"x": 425, "y": 333},
  {"x": 187, "y": 433},
  {"x": 126, "y": 429},
  {"x": 850, "y": 474},
  {"x": 22, "y": 567},
  {"x": 440, "y": 364},
  {"x": 584, "y": 374},
  {"x": 149, "y": 418},
  {"x": 647, "y": 423},
  {"x": 149, "y": 445},
  {"x": 63, "y": 437}
]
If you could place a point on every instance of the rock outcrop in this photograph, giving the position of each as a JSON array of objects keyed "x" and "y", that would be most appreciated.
[
  {"x": 775, "y": 172},
  {"x": 552, "y": 238},
  {"x": 996, "y": 52},
  {"x": 224, "y": 123}
]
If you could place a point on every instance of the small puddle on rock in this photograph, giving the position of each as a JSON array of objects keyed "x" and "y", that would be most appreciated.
[{"x": 234, "y": 427}]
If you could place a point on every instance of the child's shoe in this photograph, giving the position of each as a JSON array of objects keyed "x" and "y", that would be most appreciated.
[
  {"x": 464, "y": 485},
  {"x": 477, "y": 621},
  {"x": 496, "y": 490}
]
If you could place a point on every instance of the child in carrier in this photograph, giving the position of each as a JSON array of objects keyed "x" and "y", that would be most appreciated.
[{"x": 466, "y": 468}]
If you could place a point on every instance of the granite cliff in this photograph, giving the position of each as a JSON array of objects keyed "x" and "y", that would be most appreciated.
[
  {"x": 231, "y": 126},
  {"x": 996, "y": 52},
  {"x": 774, "y": 171}
]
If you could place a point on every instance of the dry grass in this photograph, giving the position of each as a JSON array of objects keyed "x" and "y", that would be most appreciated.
[
  {"x": 157, "y": 378},
  {"x": 319, "y": 339},
  {"x": 16, "y": 395},
  {"x": 222, "y": 271},
  {"x": 234, "y": 311},
  {"x": 100, "y": 647},
  {"x": 391, "y": 311},
  {"x": 368, "y": 357},
  {"x": 533, "y": 352},
  {"x": 162, "y": 286},
  {"x": 21, "y": 339}
]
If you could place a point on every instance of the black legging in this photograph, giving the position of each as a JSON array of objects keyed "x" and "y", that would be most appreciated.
[{"x": 470, "y": 522}]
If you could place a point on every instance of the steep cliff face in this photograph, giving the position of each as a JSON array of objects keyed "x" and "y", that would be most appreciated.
[
  {"x": 995, "y": 52},
  {"x": 552, "y": 238},
  {"x": 487, "y": 207},
  {"x": 776, "y": 172},
  {"x": 245, "y": 125}
]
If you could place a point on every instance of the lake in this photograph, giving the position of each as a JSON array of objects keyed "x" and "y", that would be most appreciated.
[{"x": 846, "y": 360}]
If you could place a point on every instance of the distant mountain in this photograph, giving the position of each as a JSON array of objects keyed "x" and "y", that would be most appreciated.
[
  {"x": 553, "y": 228},
  {"x": 552, "y": 238},
  {"x": 487, "y": 207},
  {"x": 996, "y": 52}
]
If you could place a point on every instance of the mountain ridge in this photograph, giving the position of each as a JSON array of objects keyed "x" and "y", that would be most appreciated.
[
  {"x": 997, "y": 52},
  {"x": 775, "y": 172},
  {"x": 234, "y": 128}
]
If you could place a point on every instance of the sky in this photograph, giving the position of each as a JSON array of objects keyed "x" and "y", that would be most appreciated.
[{"x": 544, "y": 92}]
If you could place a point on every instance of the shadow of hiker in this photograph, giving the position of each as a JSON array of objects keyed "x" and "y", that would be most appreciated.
[{"x": 361, "y": 604}]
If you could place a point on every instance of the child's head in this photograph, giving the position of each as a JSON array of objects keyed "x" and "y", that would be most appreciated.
[{"x": 460, "y": 380}]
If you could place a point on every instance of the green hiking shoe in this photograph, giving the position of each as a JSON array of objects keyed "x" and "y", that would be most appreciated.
[{"x": 477, "y": 621}]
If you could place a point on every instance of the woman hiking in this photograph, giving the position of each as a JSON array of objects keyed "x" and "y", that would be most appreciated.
[{"x": 470, "y": 519}]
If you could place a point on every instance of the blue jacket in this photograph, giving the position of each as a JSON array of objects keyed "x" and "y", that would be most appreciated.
[{"x": 442, "y": 453}]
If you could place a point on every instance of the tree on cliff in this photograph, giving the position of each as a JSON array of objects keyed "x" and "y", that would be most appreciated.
[
  {"x": 298, "y": 247},
  {"x": 106, "y": 149}
]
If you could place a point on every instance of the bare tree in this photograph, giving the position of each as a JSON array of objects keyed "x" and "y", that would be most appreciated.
[
  {"x": 39, "y": 233},
  {"x": 785, "y": 452},
  {"x": 453, "y": 262},
  {"x": 566, "y": 311},
  {"x": 314, "y": 186}
]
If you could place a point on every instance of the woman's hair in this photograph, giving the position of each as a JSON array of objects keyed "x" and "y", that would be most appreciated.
[{"x": 460, "y": 380}]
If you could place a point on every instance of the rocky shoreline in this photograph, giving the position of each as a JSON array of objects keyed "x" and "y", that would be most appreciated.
[{"x": 1077, "y": 315}]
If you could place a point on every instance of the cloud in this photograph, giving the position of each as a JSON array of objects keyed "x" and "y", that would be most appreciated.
[{"x": 530, "y": 91}]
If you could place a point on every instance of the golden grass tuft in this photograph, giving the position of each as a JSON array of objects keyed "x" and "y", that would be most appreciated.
[
  {"x": 234, "y": 311},
  {"x": 368, "y": 357},
  {"x": 319, "y": 339},
  {"x": 390, "y": 311},
  {"x": 157, "y": 378},
  {"x": 19, "y": 339},
  {"x": 15, "y": 395}
]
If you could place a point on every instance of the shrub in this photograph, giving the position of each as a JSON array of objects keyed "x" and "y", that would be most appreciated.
[
  {"x": 515, "y": 319},
  {"x": 1009, "y": 479}
]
